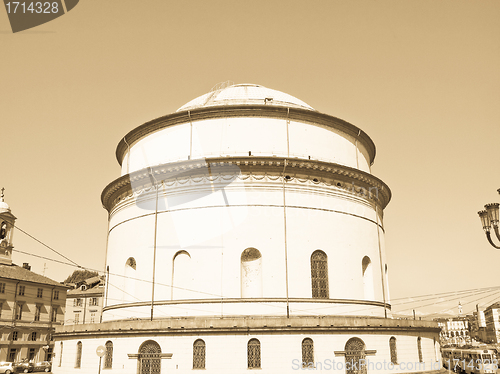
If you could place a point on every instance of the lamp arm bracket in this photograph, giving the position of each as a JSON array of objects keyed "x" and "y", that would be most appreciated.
[{"x": 488, "y": 235}]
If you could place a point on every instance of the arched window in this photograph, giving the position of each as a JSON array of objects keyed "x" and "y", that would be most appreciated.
[
  {"x": 60, "y": 354},
  {"x": 108, "y": 358},
  {"x": 251, "y": 273},
  {"x": 199, "y": 354},
  {"x": 319, "y": 275},
  {"x": 354, "y": 352},
  {"x": 33, "y": 336},
  {"x": 3, "y": 230},
  {"x": 367, "y": 272},
  {"x": 253, "y": 354},
  {"x": 394, "y": 352},
  {"x": 131, "y": 262},
  {"x": 181, "y": 276},
  {"x": 307, "y": 353},
  {"x": 129, "y": 282},
  {"x": 419, "y": 346},
  {"x": 78, "y": 363},
  {"x": 150, "y": 358}
]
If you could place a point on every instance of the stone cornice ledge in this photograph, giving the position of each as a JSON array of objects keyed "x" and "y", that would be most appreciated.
[
  {"x": 246, "y": 325},
  {"x": 336, "y": 175}
]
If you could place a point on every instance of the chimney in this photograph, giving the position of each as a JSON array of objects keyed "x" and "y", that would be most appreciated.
[{"x": 26, "y": 266}]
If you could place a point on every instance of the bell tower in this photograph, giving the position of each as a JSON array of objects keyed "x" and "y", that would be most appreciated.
[{"x": 7, "y": 220}]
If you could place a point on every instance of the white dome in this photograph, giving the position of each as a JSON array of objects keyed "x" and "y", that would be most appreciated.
[
  {"x": 244, "y": 94},
  {"x": 4, "y": 207}
]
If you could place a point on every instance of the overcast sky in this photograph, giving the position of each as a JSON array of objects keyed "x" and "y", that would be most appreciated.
[{"x": 422, "y": 78}]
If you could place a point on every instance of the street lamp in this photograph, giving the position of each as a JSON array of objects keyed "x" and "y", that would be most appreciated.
[{"x": 490, "y": 217}]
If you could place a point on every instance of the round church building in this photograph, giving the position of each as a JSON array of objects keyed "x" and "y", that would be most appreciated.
[{"x": 246, "y": 233}]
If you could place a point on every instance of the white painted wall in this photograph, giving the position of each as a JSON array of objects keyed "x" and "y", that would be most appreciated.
[
  {"x": 236, "y": 136},
  {"x": 228, "y": 353}
]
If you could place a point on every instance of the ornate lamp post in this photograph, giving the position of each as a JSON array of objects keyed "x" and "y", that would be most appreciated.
[{"x": 490, "y": 217}]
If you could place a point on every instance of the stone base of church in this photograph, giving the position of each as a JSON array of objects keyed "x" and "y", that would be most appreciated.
[{"x": 225, "y": 344}]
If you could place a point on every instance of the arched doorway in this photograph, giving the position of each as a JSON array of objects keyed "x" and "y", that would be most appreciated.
[
  {"x": 354, "y": 352},
  {"x": 150, "y": 358}
]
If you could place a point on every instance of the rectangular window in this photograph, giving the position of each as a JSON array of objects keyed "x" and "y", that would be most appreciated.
[
  {"x": 38, "y": 311},
  {"x": 33, "y": 336},
  {"x": 21, "y": 290},
  {"x": 77, "y": 302},
  {"x": 94, "y": 301},
  {"x": 92, "y": 317},
  {"x": 56, "y": 295},
  {"x": 15, "y": 335},
  {"x": 77, "y": 318},
  {"x": 19, "y": 311},
  {"x": 31, "y": 354},
  {"x": 1, "y": 306},
  {"x": 2, "y": 287},
  {"x": 12, "y": 354},
  {"x": 53, "y": 317},
  {"x": 49, "y": 354},
  {"x": 39, "y": 293}
]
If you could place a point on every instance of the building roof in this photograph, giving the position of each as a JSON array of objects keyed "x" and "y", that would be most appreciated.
[
  {"x": 15, "y": 272},
  {"x": 77, "y": 292},
  {"x": 494, "y": 306},
  {"x": 244, "y": 94}
]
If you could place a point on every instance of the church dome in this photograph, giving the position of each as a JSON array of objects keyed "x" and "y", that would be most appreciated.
[
  {"x": 244, "y": 94},
  {"x": 4, "y": 207}
]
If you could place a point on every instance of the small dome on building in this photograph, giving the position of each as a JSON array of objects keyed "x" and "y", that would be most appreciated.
[
  {"x": 244, "y": 94},
  {"x": 4, "y": 207}
]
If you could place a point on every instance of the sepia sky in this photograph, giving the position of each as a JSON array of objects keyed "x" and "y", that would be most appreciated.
[{"x": 422, "y": 78}]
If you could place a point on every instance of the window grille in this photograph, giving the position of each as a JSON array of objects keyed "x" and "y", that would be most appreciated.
[
  {"x": 419, "y": 346},
  {"x": 78, "y": 362},
  {"x": 199, "y": 354},
  {"x": 307, "y": 353},
  {"x": 131, "y": 262},
  {"x": 319, "y": 275},
  {"x": 150, "y": 358},
  {"x": 253, "y": 353},
  {"x": 108, "y": 359},
  {"x": 394, "y": 352},
  {"x": 354, "y": 353}
]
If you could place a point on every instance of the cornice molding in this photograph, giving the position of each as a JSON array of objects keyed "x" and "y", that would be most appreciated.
[
  {"x": 251, "y": 300},
  {"x": 296, "y": 114},
  {"x": 245, "y": 325},
  {"x": 333, "y": 175}
]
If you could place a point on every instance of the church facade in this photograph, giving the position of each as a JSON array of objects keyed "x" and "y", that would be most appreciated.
[
  {"x": 31, "y": 305},
  {"x": 246, "y": 232}
]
